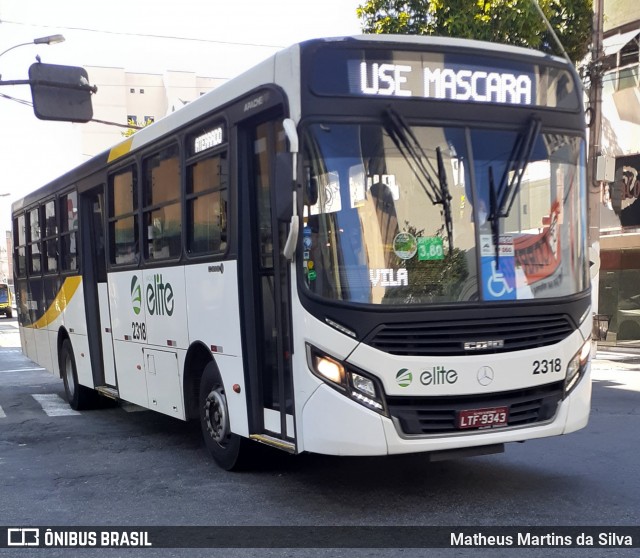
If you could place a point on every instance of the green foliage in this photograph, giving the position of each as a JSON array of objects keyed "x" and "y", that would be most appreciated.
[
  {"x": 514, "y": 22},
  {"x": 135, "y": 127},
  {"x": 432, "y": 280}
]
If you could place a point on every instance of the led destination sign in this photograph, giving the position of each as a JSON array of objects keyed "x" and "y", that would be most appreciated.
[
  {"x": 211, "y": 138},
  {"x": 473, "y": 77},
  {"x": 446, "y": 83}
]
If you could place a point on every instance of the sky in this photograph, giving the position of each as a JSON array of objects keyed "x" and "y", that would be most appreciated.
[{"x": 213, "y": 38}]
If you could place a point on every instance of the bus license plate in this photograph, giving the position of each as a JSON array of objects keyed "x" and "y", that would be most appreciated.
[{"x": 483, "y": 418}]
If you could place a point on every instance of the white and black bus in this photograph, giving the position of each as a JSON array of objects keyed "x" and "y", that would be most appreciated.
[{"x": 362, "y": 246}]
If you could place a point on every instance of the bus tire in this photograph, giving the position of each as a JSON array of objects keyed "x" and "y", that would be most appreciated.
[
  {"x": 79, "y": 397},
  {"x": 230, "y": 451}
]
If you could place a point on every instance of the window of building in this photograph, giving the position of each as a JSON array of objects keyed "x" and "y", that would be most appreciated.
[
  {"x": 162, "y": 211},
  {"x": 123, "y": 218},
  {"x": 207, "y": 200}
]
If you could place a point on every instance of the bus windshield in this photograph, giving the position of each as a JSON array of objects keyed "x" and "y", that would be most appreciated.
[
  {"x": 4, "y": 293},
  {"x": 398, "y": 214}
]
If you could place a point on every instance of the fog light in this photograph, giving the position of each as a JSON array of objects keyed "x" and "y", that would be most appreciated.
[{"x": 376, "y": 405}]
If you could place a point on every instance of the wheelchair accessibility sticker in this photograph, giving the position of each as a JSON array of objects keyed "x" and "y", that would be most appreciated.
[{"x": 498, "y": 274}]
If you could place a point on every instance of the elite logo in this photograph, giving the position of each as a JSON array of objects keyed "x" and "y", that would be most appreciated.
[
  {"x": 158, "y": 296},
  {"x": 438, "y": 375},
  {"x": 404, "y": 378},
  {"x": 136, "y": 295}
]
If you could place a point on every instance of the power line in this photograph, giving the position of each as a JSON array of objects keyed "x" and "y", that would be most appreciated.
[
  {"x": 98, "y": 121},
  {"x": 146, "y": 35}
]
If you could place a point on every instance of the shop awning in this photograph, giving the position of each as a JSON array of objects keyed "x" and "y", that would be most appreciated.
[{"x": 615, "y": 43}]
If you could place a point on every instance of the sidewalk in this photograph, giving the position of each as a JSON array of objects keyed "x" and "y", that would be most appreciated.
[{"x": 9, "y": 333}]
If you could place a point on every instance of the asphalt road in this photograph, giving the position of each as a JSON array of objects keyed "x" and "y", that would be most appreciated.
[{"x": 127, "y": 466}]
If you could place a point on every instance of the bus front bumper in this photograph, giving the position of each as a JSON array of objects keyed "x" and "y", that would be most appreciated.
[{"x": 332, "y": 424}]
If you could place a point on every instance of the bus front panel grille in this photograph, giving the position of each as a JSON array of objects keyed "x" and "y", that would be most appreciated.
[
  {"x": 438, "y": 415},
  {"x": 465, "y": 337}
]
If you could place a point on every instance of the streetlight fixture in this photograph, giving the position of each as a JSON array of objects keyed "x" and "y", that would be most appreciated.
[{"x": 48, "y": 40}]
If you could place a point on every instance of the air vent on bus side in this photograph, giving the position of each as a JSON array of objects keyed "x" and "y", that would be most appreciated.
[{"x": 464, "y": 337}]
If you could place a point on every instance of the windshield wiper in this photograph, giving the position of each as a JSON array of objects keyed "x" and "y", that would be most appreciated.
[
  {"x": 493, "y": 212},
  {"x": 516, "y": 164},
  {"x": 501, "y": 199},
  {"x": 409, "y": 146}
]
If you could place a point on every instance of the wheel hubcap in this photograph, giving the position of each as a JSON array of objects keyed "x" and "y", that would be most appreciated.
[{"x": 216, "y": 416}]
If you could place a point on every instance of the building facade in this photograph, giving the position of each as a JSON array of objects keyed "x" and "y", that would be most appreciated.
[
  {"x": 125, "y": 97},
  {"x": 619, "y": 283}
]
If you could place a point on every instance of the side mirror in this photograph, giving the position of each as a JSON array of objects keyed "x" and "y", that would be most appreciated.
[{"x": 61, "y": 92}]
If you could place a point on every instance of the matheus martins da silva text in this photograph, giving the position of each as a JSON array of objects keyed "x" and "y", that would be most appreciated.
[{"x": 552, "y": 539}]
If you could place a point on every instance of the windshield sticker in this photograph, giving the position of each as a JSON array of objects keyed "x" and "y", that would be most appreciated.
[
  {"x": 405, "y": 245},
  {"x": 430, "y": 248},
  {"x": 329, "y": 200},
  {"x": 389, "y": 277},
  {"x": 498, "y": 269}
]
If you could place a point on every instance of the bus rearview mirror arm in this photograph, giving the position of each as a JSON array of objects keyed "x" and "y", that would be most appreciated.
[{"x": 292, "y": 135}]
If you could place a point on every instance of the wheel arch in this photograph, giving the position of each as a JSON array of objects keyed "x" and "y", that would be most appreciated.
[{"x": 197, "y": 359}]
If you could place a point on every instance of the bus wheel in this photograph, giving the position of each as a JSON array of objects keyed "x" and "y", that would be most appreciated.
[
  {"x": 230, "y": 451},
  {"x": 79, "y": 397}
]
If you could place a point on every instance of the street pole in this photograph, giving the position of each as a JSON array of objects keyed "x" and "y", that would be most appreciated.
[{"x": 595, "y": 148}]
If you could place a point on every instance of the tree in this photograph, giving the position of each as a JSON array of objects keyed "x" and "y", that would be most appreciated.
[
  {"x": 514, "y": 22},
  {"x": 134, "y": 126}
]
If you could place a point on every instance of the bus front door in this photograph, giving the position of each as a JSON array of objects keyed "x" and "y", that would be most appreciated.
[
  {"x": 265, "y": 273},
  {"x": 94, "y": 279}
]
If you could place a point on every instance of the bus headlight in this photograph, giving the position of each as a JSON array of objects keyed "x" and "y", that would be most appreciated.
[
  {"x": 577, "y": 366},
  {"x": 329, "y": 369},
  {"x": 354, "y": 384}
]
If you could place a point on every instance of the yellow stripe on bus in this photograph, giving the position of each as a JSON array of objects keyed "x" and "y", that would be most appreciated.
[
  {"x": 120, "y": 150},
  {"x": 64, "y": 296}
]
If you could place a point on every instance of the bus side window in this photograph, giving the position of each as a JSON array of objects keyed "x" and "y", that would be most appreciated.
[
  {"x": 207, "y": 182},
  {"x": 68, "y": 231},
  {"x": 162, "y": 211},
  {"x": 50, "y": 240},
  {"x": 123, "y": 217}
]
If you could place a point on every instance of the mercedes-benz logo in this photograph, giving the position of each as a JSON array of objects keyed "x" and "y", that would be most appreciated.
[{"x": 485, "y": 375}]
